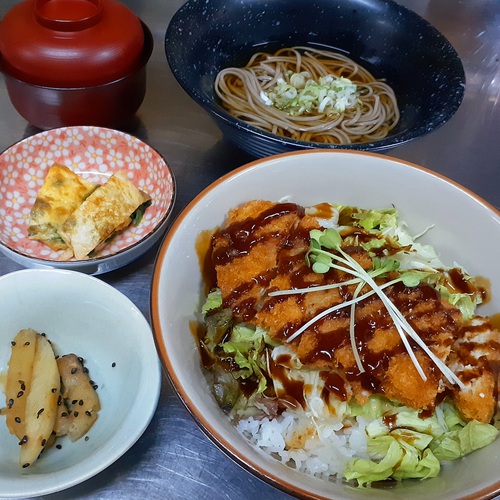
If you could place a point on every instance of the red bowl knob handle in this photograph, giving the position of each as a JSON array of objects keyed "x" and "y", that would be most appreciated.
[{"x": 68, "y": 15}]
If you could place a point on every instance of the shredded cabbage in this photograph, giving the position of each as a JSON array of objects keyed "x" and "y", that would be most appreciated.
[{"x": 411, "y": 446}]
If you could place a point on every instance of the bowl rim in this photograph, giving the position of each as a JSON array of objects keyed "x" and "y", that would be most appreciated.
[
  {"x": 385, "y": 144},
  {"x": 225, "y": 446},
  {"x": 130, "y": 248},
  {"x": 149, "y": 399}
]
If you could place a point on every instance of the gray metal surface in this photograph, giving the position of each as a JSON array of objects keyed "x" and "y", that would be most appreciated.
[{"x": 174, "y": 459}]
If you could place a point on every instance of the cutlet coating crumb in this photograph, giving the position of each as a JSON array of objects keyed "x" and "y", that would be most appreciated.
[
  {"x": 401, "y": 381},
  {"x": 477, "y": 401}
]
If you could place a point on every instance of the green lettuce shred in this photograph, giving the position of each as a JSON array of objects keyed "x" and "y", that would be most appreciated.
[
  {"x": 458, "y": 443},
  {"x": 213, "y": 301},
  {"x": 218, "y": 325},
  {"x": 462, "y": 301},
  {"x": 377, "y": 220},
  {"x": 410, "y": 446},
  {"x": 400, "y": 460},
  {"x": 247, "y": 345},
  {"x": 375, "y": 407}
]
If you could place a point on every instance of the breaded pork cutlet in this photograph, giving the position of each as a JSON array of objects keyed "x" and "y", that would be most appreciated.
[
  {"x": 245, "y": 252},
  {"x": 263, "y": 247},
  {"x": 388, "y": 367},
  {"x": 475, "y": 357}
]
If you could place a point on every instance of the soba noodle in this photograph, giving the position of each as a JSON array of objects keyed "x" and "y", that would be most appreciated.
[{"x": 243, "y": 92}]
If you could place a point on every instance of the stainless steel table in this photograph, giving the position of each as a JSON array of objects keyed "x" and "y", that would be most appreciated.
[{"x": 174, "y": 459}]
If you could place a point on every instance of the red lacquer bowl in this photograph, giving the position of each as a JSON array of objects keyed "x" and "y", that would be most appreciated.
[
  {"x": 113, "y": 104},
  {"x": 70, "y": 43}
]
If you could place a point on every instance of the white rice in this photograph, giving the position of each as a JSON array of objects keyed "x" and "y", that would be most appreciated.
[{"x": 319, "y": 447}]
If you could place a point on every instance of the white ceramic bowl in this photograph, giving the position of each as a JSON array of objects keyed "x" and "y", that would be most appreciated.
[
  {"x": 467, "y": 230},
  {"x": 95, "y": 153},
  {"x": 83, "y": 315}
]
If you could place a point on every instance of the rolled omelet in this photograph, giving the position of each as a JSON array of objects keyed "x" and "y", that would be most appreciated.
[
  {"x": 61, "y": 194},
  {"x": 106, "y": 210}
]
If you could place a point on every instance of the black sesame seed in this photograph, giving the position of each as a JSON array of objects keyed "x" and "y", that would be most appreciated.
[
  {"x": 18, "y": 420},
  {"x": 64, "y": 414},
  {"x": 80, "y": 359},
  {"x": 42, "y": 334},
  {"x": 44, "y": 442},
  {"x": 58, "y": 446},
  {"x": 26, "y": 465},
  {"x": 80, "y": 402},
  {"x": 91, "y": 382},
  {"x": 73, "y": 370},
  {"x": 85, "y": 369},
  {"x": 75, "y": 413},
  {"x": 27, "y": 343},
  {"x": 54, "y": 390},
  {"x": 20, "y": 393},
  {"x": 94, "y": 386},
  {"x": 113, "y": 365},
  {"x": 10, "y": 403},
  {"x": 23, "y": 386},
  {"x": 39, "y": 412},
  {"x": 13, "y": 343},
  {"x": 24, "y": 440},
  {"x": 86, "y": 438},
  {"x": 88, "y": 413},
  {"x": 74, "y": 401}
]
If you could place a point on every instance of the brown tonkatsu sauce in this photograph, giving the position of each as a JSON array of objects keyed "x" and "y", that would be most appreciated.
[
  {"x": 242, "y": 235},
  {"x": 437, "y": 323}
]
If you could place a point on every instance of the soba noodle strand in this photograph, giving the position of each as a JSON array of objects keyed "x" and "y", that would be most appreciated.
[{"x": 239, "y": 90}]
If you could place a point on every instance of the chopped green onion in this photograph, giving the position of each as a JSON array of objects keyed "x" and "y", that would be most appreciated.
[{"x": 296, "y": 94}]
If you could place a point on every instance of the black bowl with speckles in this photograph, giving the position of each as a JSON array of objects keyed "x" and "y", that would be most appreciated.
[{"x": 394, "y": 43}]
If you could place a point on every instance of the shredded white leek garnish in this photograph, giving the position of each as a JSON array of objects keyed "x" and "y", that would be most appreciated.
[
  {"x": 352, "y": 329},
  {"x": 322, "y": 260}
]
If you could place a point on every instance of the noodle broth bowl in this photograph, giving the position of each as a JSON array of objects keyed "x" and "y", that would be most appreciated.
[
  {"x": 392, "y": 43},
  {"x": 363, "y": 179}
]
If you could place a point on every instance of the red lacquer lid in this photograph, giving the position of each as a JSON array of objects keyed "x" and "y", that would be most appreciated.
[{"x": 70, "y": 43}]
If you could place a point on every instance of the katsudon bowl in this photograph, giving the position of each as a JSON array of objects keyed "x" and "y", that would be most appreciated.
[
  {"x": 462, "y": 227},
  {"x": 93, "y": 153},
  {"x": 387, "y": 39}
]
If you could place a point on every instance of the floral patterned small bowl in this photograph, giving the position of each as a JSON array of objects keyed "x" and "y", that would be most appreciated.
[{"x": 95, "y": 153}]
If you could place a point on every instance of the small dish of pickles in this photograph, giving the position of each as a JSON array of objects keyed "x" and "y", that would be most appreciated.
[{"x": 79, "y": 379}]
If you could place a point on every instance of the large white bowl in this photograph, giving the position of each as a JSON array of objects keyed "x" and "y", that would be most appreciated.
[
  {"x": 467, "y": 230},
  {"x": 83, "y": 315}
]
